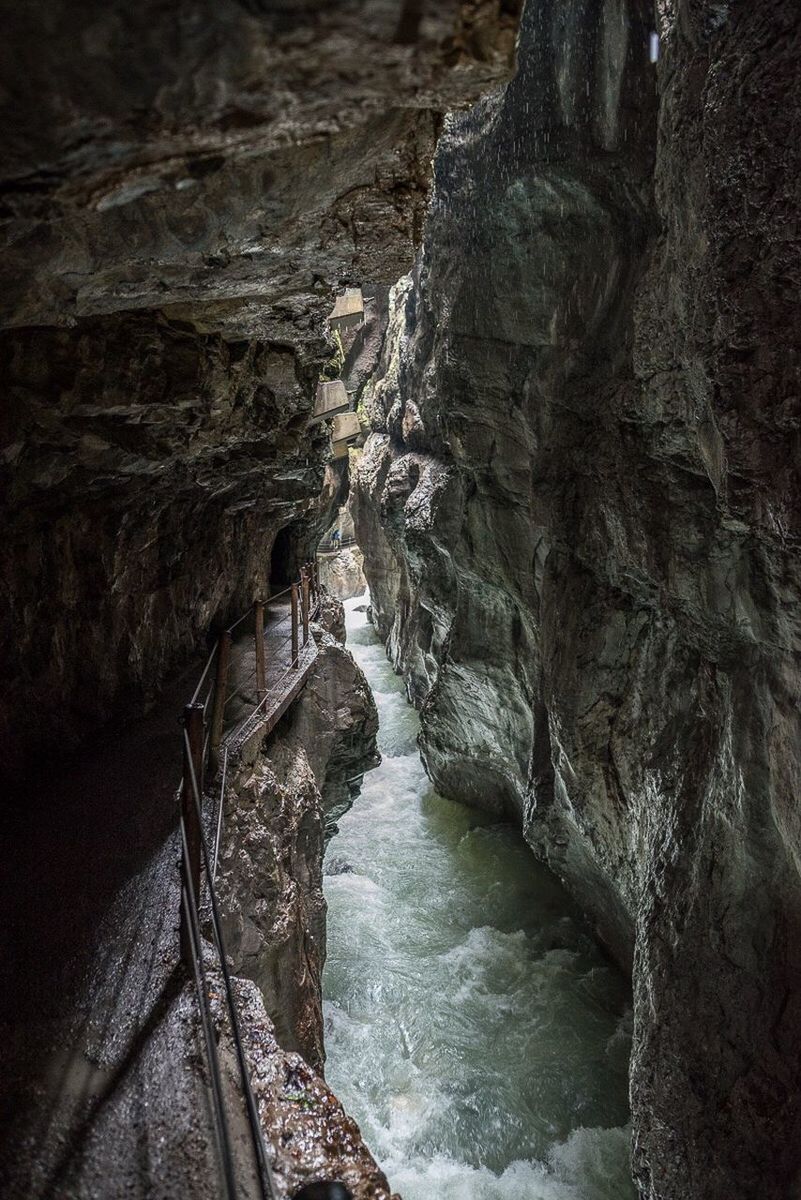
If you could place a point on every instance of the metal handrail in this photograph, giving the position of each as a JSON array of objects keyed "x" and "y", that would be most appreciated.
[
  {"x": 200, "y": 681},
  {"x": 219, "y": 822},
  {"x": 221, "y": 1130},
  {"x": 278, "y": 595},
  {"x": 239, "y": 620},
  {"x": 271, "y": 690},
  {"x": 248, "y": 612},
  {"x": 192, "y": 919},
  {"x": 328, "y": 547},
  {"x": 257, "y": 1136}
]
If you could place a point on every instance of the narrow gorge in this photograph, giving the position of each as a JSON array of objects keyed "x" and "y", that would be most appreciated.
[
  {"x": 400, "y": 720},
  {"x": 472, "y": 1027}
]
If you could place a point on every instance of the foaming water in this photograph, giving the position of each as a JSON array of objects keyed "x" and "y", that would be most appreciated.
[{"x": 473, "y": 1029}]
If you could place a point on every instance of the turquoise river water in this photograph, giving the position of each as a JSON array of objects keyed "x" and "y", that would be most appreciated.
[{"x": 473, "y": 1028}]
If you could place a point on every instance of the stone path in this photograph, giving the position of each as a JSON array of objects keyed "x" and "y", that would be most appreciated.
[{"x": 103, "y": 1084}]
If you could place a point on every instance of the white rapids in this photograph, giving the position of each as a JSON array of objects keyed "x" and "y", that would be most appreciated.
[{"x": 473, "y": 1028}]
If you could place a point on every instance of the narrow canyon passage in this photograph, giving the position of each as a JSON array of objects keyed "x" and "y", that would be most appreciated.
[
  {"x": 473, "y": 1028},
  {"x": 483, "y": 313}
]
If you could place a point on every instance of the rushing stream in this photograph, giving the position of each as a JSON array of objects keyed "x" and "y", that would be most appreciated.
[{"x": 473, "y": 1029}]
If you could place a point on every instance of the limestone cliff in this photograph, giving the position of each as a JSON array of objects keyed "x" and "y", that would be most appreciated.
[{"x": 579, "y": 510}]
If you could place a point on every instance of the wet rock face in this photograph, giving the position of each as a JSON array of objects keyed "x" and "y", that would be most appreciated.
[
  {"x": 310, "y": 1136},
  {"x": 337, "y": 723},
  {"x": 343, "y": 573},
  {"x": 580, "y": 514},
  {"x": 331, "y": 616},
  {"x": 147, "y": 471},
  {"x": 270, "y": 888},
  {"x": 183, "y": 190},
  {"x": 277, "y": 804}
]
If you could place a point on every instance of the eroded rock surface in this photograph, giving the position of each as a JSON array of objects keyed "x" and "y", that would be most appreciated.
[
  {"x": 331, "y": 616},
  {"x": 148, "y": 473},
  {"x": 343, "y": 573},
  {"x": 224, "y": 152},
  {"x": 579, "y": 509},
  {"x": 184, "y": 189},
  {"x": 309, "y": 1134}
]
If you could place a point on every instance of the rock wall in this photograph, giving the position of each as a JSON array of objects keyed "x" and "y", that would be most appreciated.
[
  {"x": 277, "y": 803},
  {"x": 309, "y": 1134},
  {"x": 183, "y": 190},
  {"x": 222, "y": 153},
  {"x": 185, "y": 186},
  {"x": 579, "y": 510},
  {"x": 148, "y": 470},
  {"x": 343, "y": 574}
]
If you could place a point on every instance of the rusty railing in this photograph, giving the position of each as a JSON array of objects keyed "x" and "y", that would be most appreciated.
[{"x": 205, "y": 754}]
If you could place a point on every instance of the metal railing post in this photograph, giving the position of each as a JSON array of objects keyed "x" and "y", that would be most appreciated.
[
  {"x": 261, "y": 686},
  {"x": 198, "y": 737},
  {"x": 190, "y": 859},
  {"x": 294, "y": 625},
  {"x": 218, "y": 708},
  {"x": 304, "y": 596},
  {"x": 257, "y": 1134}
]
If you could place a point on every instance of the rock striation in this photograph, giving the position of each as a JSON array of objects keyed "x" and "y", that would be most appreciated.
[
  {"x": 579, "y": 511},
  {"x": 225, "y": 153}
]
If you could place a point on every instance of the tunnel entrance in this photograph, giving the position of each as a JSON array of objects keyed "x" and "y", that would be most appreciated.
[{"x": 286, "y": 556}]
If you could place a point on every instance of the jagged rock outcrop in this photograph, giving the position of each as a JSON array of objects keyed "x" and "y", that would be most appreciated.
[
  {"x": 310, "y": 1135},
  {"x": 270, "y": 888},
  {"x": 183, "y": 190},
  {"x": 343, "y": 573},
  {"x": 580, "y": 517},
  {"x": 331, "y": 615},
  {"x": 277, "y": 801},
  {"x": 337, "y": 723}
]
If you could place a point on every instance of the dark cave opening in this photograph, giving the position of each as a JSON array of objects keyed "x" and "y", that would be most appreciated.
[{"x": 286, "y": 556}]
